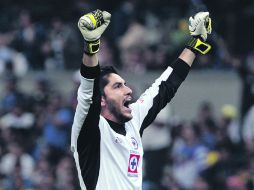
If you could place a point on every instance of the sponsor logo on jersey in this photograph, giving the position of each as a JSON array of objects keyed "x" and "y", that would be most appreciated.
[
  {"x": 133, "y": 165},
  {"x": 134, "y": 143}
]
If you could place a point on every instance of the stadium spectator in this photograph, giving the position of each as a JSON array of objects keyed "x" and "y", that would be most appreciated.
[
  {"x": 200, "y": 184},
  {"x": 132, "y": 45},
  {"x": 47, "y": 182},
  {"x": 17, "y": 118},
  {"x": 63, "y": 46},
  {"x": 189, "y": 155},
  {"x": 235, "y": 183},
  {"x": 245, "y": 69},
  {"x": 57, "y": 126},
  {"x": 65, "y": 173},
  {"x": 29, "y": 39},
  {"x": 229, "y": 123},
  {"x": 206, "y": 123},
  {"x": 17, "y": 159},
  {"x": 248, "y": 126},
  {"x": 156, "y": 150},
  {"x": 12, "y": 94},
  {"x": 11, "y": 61},
  {"x": 42, "y": 168}
]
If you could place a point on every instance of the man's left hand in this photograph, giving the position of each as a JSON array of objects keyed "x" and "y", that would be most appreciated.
[{"x": 200, "y": 25}]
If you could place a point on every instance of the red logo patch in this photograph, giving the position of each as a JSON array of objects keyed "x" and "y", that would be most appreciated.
[
  {"x": 141, "y": 100},
  {"x": 133, "y": 163}
]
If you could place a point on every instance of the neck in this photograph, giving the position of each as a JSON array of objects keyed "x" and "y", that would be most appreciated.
[
  {"x": 110, "y": 116},
  {"x": 118, "y": 128}
]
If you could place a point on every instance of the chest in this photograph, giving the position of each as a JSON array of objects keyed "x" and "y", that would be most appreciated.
[{"x": 123, "y": 144}]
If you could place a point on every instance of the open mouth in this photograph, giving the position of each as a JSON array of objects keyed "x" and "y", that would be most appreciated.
[
  {"x": 126, "y": 106},
  {"x": 126, "y": 103}
]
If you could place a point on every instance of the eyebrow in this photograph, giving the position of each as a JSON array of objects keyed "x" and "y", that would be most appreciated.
[{"x": 117, "y": 83}]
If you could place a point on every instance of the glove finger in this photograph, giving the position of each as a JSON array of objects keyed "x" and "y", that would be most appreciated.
[
  {"x": 190, "y": 20},
  {"x": 102, "y": 28},
  {"x": 84, "y": 28},
  {"x": 106, "y": 16},
  {"x": 203, "y": 15},
  {"x": 203, "y": 30},
  {"x": 204, "y": 36},
  {"x": 83, "y": 25},
  {"x": 191, "y": 27},
  {"x": 208, "y": 24}
]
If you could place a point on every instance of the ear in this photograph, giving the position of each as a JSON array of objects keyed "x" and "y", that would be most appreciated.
[{"x": 103, "y": 101}]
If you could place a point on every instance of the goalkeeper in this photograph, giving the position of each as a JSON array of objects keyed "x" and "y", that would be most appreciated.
[{"x": 107, "y": 127}]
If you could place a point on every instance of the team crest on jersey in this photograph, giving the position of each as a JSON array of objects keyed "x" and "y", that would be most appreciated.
[
  {"x": 118, "y": 140},
  {"x": 134, "y": 143},
  {"x": 133, "y": 165}
]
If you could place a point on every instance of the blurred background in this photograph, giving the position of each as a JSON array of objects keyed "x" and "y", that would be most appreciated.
[{"x": 204, "y": 139}]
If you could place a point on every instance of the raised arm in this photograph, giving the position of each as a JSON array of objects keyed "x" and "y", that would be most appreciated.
[
  {"x": 187, "y": 56},
  {"x": 164, "y": 88},
  {"x": 86, "y": 119}
]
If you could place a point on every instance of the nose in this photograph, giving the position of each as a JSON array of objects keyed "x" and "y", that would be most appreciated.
[{"x": 128, "y": 90}]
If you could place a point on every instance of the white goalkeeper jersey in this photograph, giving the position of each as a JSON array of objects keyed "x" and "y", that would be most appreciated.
[{"x": 108, "y": 155}]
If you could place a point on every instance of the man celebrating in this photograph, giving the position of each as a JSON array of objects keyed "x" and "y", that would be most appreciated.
[{"x": 107, "y": 128}]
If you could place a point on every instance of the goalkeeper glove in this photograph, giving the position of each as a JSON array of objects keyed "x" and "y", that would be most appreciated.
[
  {"x": 92, "y": 26},
  {"x": 199, "y": 26}
]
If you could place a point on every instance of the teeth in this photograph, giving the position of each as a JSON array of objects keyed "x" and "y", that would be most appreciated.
[
  {"x": 128, "y": 99},
  {"x": 127, "y": 102}
]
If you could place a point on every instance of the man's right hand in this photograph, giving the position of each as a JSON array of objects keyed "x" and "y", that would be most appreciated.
[{"x": 92, "y": 26}]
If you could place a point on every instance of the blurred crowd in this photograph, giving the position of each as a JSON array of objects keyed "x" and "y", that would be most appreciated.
[
  {"x": 204, "y": 154},
  {"x": 143, "y": 35},
  {"x": 35, "y": 137},
  {"x": 207, "y": 153}
]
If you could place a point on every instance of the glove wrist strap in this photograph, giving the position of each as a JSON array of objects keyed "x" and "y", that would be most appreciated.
[
  {"x": 91, "y": 48},
  {"x": 197, "y": 46}
]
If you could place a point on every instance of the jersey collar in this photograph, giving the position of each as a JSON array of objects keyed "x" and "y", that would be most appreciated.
[{"x": 118, "y": 128}]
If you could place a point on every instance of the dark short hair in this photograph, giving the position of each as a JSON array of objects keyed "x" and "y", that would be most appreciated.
[{"x": 105, "y": 72}]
